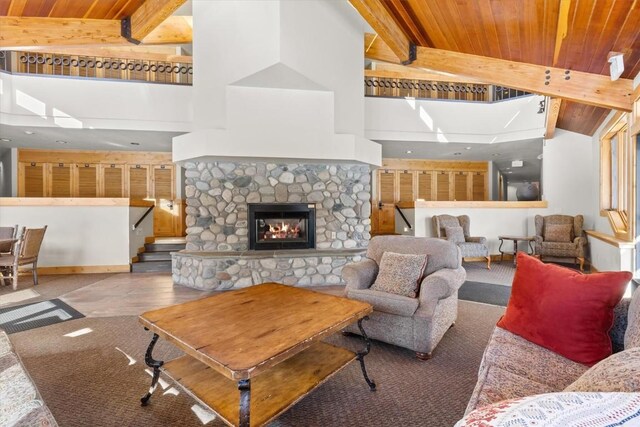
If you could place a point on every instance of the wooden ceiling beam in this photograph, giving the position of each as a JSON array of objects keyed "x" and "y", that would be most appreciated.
[
  {"x": 584, "y": 88},
  {"x": 147, "y": 17},
  {"x": 393, "y": 71},
  {"x": 17, "y": 32},
  {"x": 377, "y": 15},
  {"x": 553, "y": 111}
]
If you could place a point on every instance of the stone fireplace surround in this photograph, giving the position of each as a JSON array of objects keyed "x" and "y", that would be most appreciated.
[{"x": 217, "y": 255}]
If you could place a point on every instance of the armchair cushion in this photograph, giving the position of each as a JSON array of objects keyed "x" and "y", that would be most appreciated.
[
  {"x": 619, "y": 372},
  {"x": 471, "y": 249},
  {"x": 400, "y": 273},
  {"x": 562, "y": 310},
  {"x": 454, "y": 234},
  {"x": 558, "y": 232},
  {"x": 386, "y": 302}
]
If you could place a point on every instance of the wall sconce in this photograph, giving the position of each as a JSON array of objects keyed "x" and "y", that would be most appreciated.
[{"x": 542, "y": 107}]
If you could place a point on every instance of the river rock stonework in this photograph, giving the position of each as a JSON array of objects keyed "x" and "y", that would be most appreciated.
[{"x": 217, "y": 196}]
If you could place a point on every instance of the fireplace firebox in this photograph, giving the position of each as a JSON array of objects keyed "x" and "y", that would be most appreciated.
[{"x": 282, "y": 226}]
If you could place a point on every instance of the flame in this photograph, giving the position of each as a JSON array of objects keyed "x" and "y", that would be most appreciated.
[{"x": 284, "y": 231}]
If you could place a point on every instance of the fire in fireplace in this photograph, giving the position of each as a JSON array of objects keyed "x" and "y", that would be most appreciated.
[{"x": 281, "y": 226}]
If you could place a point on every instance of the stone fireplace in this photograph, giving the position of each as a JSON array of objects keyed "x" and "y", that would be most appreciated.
[{"x": 282, "y": 226}]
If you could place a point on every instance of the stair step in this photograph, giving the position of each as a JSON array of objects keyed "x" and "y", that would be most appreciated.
[
  {"x": 164, "y": 247},
  {"x": 154, "y": 256},
  {"x": 151, "y": 267}
]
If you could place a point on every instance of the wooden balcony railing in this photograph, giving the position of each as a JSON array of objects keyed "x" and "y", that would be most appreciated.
[
  {"x": 96, "y": 67},
  {"x": 425, "y": 89}
]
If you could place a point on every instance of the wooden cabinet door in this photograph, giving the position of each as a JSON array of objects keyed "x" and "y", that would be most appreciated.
[
  {"x": 386, "y": 186},
  {"x": 386, "y": 218},
  {"x": 424, "y": 181},
  {"x": 479, "y": 186},
  {"x": 32, "y": 179},
  {"x": 405, "y": 186},
  {"x": 166, "y": 214},
  {"x": 86, "y": 180},
  {"x": 112, "y": 182},
  {"x": 138, "y": 181},
  {"x": 442, "y": 186},
  {"x": 61, "y": 180},
  {"x": 461, "y": 186}
]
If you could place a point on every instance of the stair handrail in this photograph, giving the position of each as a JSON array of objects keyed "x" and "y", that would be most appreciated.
[
  {"x": 134, "y": 226},
  {"x": 404, "y": 218}
]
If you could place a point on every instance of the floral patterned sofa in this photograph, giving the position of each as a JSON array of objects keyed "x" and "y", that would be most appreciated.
[
  {"x": 20, "y": 402},
  {"x": 513, "y": 369}
]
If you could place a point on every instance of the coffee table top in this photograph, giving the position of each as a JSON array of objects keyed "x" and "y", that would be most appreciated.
[
  {"x": 516, "y": 238},
  {"x": 241, "y": 333}
]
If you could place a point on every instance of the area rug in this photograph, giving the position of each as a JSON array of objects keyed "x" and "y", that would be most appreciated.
[
  {"x": 95, "y": 376},
  {"x": 36, "y": 315},
  {"x": 500, "y": 273},
  {"x": 486, "y": 293}
]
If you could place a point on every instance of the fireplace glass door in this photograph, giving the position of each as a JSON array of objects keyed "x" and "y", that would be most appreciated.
[{"x": 281, "y": 226}]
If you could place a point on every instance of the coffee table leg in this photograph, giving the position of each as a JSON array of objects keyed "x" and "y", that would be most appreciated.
[
  {"x": 245, "y": 401},
  {"x": 500, "y": 250},
  {"x": 152, "y": 363},
  {"x": 361, "y": 354}
]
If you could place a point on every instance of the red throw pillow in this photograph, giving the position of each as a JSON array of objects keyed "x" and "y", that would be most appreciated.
[{"x": 565, "y": 311}]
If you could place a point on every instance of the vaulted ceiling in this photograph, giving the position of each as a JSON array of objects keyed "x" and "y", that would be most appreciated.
[
  {"x": 88, "y": 9},
  {"x": 529, "y": 31}
]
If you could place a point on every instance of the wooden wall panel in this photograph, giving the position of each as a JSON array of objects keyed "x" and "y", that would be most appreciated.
[
  {"x": 163, "y": 182},
  {"x": 424, "y": 181},
  {"x": 32, "y": 180},
  {"x": 61, "y": 180},
  {"x": 460, "y": 186},
  {"x": 442, "y": 185},
  {"x": 405, "y": 186},
  {"x": 113, "y": 183},
  {"x": 86, "y": 181}
]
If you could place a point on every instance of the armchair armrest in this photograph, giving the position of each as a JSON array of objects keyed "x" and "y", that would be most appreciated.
[
  {"x": 482, "y": 240},
  {"x": 360, "y": 275},
  {"x": 538, "y": 239},
  {"x": 441, "y": 284}
]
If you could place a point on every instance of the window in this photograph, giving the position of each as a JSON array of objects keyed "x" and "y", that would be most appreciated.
[{"x": 616, "y": 176}]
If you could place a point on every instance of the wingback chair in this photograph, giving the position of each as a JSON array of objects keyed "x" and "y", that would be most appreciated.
[
  {"x": 471, "y": 247},
  {"x": 564, "y": 242},
  {"x": 25, "y": 253},
  {"x": 414, "y": 323}
]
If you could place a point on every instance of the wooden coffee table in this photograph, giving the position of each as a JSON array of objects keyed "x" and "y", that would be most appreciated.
[{"x": 254, "y": 352}]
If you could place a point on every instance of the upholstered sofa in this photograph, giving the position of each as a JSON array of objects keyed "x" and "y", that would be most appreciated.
[
  {"x": 20, "y": 402},
  {"x": 414, "y": 323},
  {"x": 514, "y": 368}
]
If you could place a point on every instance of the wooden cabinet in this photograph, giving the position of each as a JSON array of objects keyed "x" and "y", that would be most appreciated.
[
  {"x": 112, "y": 180},
  {"x": 443, "y": 185},
  {"x": 32, "y": 179},
  {"x": 424, "y": 181},
  {"x": 86, "y": 180},
  {"x": 405, "y": 186},
  {"x": 61, "y": 180},
  {"x": 461, "y": 186},
  {"x": 138, "y": 181},
  {"x": 479, "y": 186}
]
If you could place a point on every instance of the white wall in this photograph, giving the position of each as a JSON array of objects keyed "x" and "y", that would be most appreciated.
[
  {"x": 397, "y": 119},
  {"x": 8, "y": 172},
  {"x": 101, "y": 104},
  {"x": 79, "y": 235}
]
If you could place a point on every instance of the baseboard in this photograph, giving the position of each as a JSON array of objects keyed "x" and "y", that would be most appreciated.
[{"x": 84, "y": 269}]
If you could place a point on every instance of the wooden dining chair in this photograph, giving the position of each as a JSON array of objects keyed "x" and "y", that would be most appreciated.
[
  {"x": 25, "y": 253},
  {"x": 8, "y": 233}
]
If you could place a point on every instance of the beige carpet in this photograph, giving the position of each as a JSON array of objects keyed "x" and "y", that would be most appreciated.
[
  {"x": 500, "y": 273},
  {"x": 86, "y": 381}
]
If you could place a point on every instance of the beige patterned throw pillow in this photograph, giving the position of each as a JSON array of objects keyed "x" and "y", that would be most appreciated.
[
  {"x": 400, "y": 274},
  {"x": 560, "y": 233},
  {"x": 454, "y": 234},
  {"x": 617, "y": 373}
]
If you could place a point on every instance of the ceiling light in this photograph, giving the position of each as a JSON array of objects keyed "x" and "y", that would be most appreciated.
[
  {"x": 135, "y": 143},
  {"x": 457, "y": 154},
  {"x": 496, "y": 154},
  {"x": 616, "y": 65},
  {"x": 510, "y": 172},
  {"x": 467, "y": 148},
  {"x": 61, "y": 142},
  {"x": 409, "y": 151},
  {"x": 29, "y": 132},
  {"x": 5, "y": 140},
  {"x": 507, "y": 168}
]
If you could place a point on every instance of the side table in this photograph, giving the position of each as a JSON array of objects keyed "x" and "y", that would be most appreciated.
[{"x": 515, "y": 240}]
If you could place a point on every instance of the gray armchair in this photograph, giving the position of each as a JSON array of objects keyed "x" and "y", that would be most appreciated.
[
  {"x": 572, "y": 250},
  {"x": 472, "y": 247},
  {"x": 414, "y": 323}
]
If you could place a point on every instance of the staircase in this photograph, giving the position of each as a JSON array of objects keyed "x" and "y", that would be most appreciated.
[{"x": 156, "y": 257}]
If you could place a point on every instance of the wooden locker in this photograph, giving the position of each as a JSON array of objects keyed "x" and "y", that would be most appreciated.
[
  {"x": 86, "y": 180},
  {"x": 162, "y": 182},
  {"x": 386, "y": 186},
  {"x": 61, "y": 180},
  {"x": 479, "y": 192},
  {"x": 461, "y": 186},
  {"x": 424, "y": 181},
  {"x": 405, "y": 186},
  {"x": 138, "y": 181},
  {"x": 442, "y": 185},
  {"x": 112, "y": 182},
  {"x": 32, "y": 179}
]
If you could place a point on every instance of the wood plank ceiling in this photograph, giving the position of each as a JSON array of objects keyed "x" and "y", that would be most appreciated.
[
  {"x": 88, "y": 9},
  {"x": 525, "y": 31}
]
